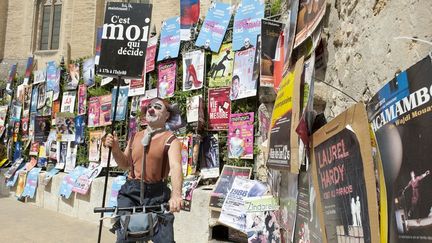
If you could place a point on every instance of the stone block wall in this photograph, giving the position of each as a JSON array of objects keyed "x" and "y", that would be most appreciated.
[{"x": 367, "y": 45}]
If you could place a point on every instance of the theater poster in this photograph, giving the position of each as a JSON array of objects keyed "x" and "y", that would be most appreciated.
[
  {"x": 224, "y": 184},
  {"x": 151, "y": 54},
  {"x": 309, "y": 16},
  {"x": 124, "y": 39},
  {"x": 247, "y": 24},
  {"x": 189, "y": 16},
  {"x": 214, "y": 27},
  {"x": 169, "y": 39},
  {"x": 166, "y": 79},
  {"x": 193, "y": 70},
  {"x": 240, "y": 136},
  {"x": 219, "y": 108},
  {"x": 307, "y": 224},
  {"x": 271, "y": 32},
  {"x": 400, "y": 115},
  {"x": 221, "y": 68},
  {"x": 283, "y": 140},
  {"x": 344, "y": 178},
  {"x": 244, "y": 82}
]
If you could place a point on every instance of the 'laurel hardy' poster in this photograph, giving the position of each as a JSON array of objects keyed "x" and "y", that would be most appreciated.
[
  {"x": 124, "y": 39},
  {"x": 193, "y": 70},
  {"x": 244, "y": 82},
  {"x": 221, "y": 67},
  {"x": 247, "y": 24},
  {"x": 343, "y": 175},
  {"x": 400, "y": 115},
  {"x": 219, "y": 108},
  {"x": 240, "y": 136},
  {"x": 167, "y": 79},
  {"x": 215, "y": 25},
  {"x": 169, "y": 39}
]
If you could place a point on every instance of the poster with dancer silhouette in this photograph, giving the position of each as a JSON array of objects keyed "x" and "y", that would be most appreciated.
[
  {"x": 343, "y": 175},
  {"x": 400, "y": 115},
  {"x": 221, "y": 68},
  {"x": 247, "y": 24},
  {"x": 214, "y": 27},
  {"x": 169, "y": 39},
  {"x": 219, "y": 108},
  {"x": 193, "y": 70},
  {"x": 240, "y": 136}
]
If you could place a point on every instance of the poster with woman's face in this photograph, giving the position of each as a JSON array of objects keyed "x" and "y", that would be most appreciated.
[
  {"x": 243, "y": 83},
  {"x": 240, "y": 136}
]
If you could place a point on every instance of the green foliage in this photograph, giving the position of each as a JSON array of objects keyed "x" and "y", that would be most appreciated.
[{"x": 276, "y": 7}]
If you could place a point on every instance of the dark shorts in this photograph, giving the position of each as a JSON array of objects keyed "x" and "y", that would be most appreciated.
[{"x": 154, "y": 194}]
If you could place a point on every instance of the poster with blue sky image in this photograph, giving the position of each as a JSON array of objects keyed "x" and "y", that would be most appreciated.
[
  {"x": 170, "y": 39},
  {"x": 215, "y": 25},
  {"x": 247, "y": 24}
]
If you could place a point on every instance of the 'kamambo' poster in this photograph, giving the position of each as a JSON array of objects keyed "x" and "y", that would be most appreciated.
[{"x": 400, "y": 115}]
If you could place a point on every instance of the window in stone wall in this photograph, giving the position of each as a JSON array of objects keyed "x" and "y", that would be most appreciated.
[{"x": 50, "y": 11}]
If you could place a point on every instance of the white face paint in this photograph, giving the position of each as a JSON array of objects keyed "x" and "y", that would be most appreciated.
[{"x": 156, "y": 114}]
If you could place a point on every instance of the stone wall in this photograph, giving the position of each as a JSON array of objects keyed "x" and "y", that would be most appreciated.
[{"x": 364, "y": 49}]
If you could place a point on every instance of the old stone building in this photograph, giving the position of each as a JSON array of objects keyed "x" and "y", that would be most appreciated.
[{"x": 49, "y": 29}]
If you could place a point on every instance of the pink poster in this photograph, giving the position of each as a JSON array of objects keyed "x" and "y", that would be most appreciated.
[
  {"x": 93, "y": 113},
  {"x": 105, "y": 110},
  {"x": 219, "y": 108},
  {"x": 167, "y": 79},
  {"x": 82, "y": 99},
  {"x": 151, "y": 54},
  {"x": 240, "y": 136}
]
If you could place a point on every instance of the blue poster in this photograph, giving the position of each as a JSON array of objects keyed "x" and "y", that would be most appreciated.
[
  {"x": 53, "y": 79},
  {"x": 79, "y": 129},
  {"x": 17, "y": 153},
  {"x": 69, "y": 181},
  {"x": 12, "y": 181},
  {"x": 170, "y": 39},
  {"x": 215, "y": 25},
  {"x": 247, "y": 24},
  {"x": 115, "y": 188},
  {"x": 49, "y": 175},
  {"x": 121, "y": 103},
  {"x": 34, "y": 100},
  {"x": 31, "y": 184}
]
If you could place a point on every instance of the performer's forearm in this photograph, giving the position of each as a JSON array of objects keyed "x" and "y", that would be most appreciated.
[
  {"x": 176, "y": 180},
  {"x": 120, "y": 158}
]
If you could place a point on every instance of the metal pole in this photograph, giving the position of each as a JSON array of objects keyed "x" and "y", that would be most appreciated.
[{"x": 109, "y": 156}]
